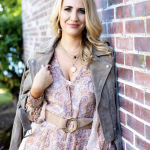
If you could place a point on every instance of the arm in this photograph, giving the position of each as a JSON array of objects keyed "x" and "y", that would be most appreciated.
[
  {"x": 34, "y": 106},
  {"x": 35, "y": 97}
]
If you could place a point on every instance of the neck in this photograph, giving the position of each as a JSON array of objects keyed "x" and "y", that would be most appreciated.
[{"x": 71, "y": 44}]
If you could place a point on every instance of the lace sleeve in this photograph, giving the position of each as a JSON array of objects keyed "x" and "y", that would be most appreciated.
[{"x": 34, "y": 106}]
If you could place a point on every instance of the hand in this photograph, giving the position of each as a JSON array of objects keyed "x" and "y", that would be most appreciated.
[{"x": 41, "y": 81}]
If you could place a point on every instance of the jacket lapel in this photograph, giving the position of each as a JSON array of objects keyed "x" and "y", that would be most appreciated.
[
  {"x": 99, "y": 70},
  {"x": 42, "y": 56},
  {"x": 46, "y": 50}
]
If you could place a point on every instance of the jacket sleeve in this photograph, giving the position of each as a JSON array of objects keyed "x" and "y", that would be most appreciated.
[{"x": 19, "y": 130}]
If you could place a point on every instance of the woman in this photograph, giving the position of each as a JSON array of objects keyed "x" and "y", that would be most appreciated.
[{"x": 78, "y": 84}]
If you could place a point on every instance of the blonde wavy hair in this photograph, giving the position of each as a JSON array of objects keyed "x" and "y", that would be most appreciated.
[{"x": 91, "y": 32}]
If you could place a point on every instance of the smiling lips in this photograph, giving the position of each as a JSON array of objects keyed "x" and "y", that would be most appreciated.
[{"x": 73, "y": 25}]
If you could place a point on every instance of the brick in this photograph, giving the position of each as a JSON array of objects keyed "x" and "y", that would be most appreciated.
[
  {"x": 125, "y": 74},
  {"x": 127, "y": 134},
  {"x": 138, "y": 9},
  {"x": 115, "y": 28},
  {"x": 147, "y": 128},
  {"x": 148, "y": 62},
  {"x": 142, "y": 8},
  {"x": 134, "y": 26},
  {"x": 122, "y": 117},
  {"x": 147, "y": 99},
  {"x": 142, "y": 78},
  {"x": 148, "y": 25},
  {"x": 129, "y": 59},
  {"x": 138, "y": 61},
  {"x": 100, "y": 15},
  {"x": 101, "y": 4},
  {"x": 142, "y": 112},
  {"x": 135, "y": 60},
  {"x": 113, "y": 2},
  {"x": 142, "y": 43},
  {"x": 147, "y": 8},
  {"x": 104, "y": 29},
  {"x": 128, "y": 147},
  {"x": 126, "y": 104},
  {"x": 129, "y": 1},
  {"x": 141, "y": 144},
  {"x": 124, "y": 11},
  {"x": 119, "y": 13},
  {"x": 124, "y": 43},
  {"x": 108, "y": 14},
  {"x": 123, "y": 144},
  {"x": 121, "y": 87},
  {"x": 135, "y": 124},
  {"x": 134, "y": 93},
  {"x": 98, "y": 4},
  {"x": 119, "y": 57}
]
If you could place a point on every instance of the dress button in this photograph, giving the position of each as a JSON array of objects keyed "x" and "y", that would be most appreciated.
[
  {"x": 71, "y": 87},
  {"x": 107, "y": 66},
  {"x": 32, "y": 60}
]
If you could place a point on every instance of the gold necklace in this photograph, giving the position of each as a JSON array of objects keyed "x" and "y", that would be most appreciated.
[
  {"x": 71, "y": 56},
  {"x": 73, "y": 69}
]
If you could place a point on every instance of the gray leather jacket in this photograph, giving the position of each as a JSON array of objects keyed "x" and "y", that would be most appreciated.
[{"x": 103, "y": 76}]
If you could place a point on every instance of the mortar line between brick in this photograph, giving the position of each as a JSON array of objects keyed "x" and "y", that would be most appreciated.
[
  {"x": 129, "y": 144},
  {"x": 134, "y": 68},
  {"x": 134, "y": 85},
  {"x": 136, "y": 133},
  {"x": 127, "y": 113},
  {"x": 134, "y": 101}
]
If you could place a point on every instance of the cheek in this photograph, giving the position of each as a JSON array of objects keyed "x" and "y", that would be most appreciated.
[
  {"x": 63, "y": 17},
  {"x": 83, "y": 20}
]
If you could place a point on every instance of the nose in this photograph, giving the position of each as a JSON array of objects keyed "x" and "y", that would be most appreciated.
[{"x": 74, "y": 16}]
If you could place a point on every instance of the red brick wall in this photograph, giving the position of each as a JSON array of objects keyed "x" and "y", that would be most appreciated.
[
  {"x": 36, "y": 26},
  {"x": 126, "y": 24}
]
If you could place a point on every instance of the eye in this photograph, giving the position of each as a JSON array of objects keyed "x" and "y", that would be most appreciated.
[
  {"x": 68, "y": 9},
  {"x": 82, "y": 11}
]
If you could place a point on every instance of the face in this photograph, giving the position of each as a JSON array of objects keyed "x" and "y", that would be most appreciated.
[{"x": 72, "y": 17}]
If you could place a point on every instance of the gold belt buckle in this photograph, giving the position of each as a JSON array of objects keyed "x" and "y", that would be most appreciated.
[{"x": 68, "y": 131}]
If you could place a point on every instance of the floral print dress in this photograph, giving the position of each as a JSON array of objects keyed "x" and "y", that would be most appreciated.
[{"x": 65, "y": 99}]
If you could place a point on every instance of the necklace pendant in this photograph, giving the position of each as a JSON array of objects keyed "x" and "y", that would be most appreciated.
[
  {"x": 75, "y": 57},
  {"x": 73, "y": 69}
]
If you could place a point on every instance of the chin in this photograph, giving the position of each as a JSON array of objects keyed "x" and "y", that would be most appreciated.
[{"x": 75, "y": 33}]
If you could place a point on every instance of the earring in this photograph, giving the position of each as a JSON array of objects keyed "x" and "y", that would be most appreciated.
[{"x": 59, "y": 31}]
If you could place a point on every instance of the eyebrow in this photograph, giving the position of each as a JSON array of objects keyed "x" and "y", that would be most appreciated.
[{"x": 72, "y": 7}]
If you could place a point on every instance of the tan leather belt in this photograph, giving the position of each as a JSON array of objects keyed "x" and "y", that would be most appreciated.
[{"x": 85, "y": 123}]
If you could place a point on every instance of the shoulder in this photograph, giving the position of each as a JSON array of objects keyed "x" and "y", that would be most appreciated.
[
  {"x": 108, "y": 57},
  {"x": 46, "y": 46},
  {"x": 43, "y": 48}
]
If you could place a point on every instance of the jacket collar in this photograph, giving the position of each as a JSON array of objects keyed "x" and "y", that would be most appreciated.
[
  {"x": 50, "y": 44},
  {"x": 99, "y": 68}
]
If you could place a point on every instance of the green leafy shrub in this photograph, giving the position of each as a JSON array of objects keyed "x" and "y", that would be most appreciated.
[{"x": 11, "y": 45}]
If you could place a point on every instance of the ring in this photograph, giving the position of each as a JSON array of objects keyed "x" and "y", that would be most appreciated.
[{"x": 48, "y": 66}]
